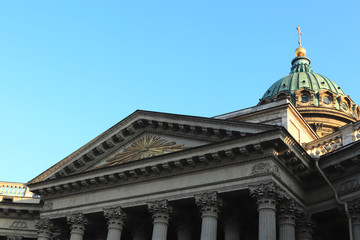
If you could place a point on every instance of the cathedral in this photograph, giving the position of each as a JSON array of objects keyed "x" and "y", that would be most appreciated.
[{"x": 287, "y": 168}]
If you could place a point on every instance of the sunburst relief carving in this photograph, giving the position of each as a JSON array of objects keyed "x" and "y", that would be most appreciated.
[{"x": 144, "y": 147}]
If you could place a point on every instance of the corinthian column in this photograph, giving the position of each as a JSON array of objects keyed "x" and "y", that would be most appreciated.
[
  {"x": 160, "y": 211},
  {"x": 115, "y": 218},
  {"x": 44, "y": 229},
  {"x": 266, "y": 196},
  {"x": 209, "y": 204},
  {"x": 287, "y": 213},
  {"x": 304, "y": 228},
  {"x": 354, "y": 209},
  {"x": 78, "y": 223}
]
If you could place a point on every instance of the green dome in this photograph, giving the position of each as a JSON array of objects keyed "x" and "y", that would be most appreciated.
[
  {"x": 321, "y": 102},
  {"x": 302, "y": 76}
]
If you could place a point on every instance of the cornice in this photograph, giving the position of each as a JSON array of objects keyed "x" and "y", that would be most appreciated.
[
  {"x": 352, "y": 154},
  {"x": 342, "y": 163},
  {"x": 20, "y": 210}
]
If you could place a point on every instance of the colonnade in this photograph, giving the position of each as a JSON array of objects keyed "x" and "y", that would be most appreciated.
[{"x": 272, "y": 208}]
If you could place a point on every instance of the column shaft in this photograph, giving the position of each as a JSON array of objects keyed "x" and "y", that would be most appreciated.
[
  {"x": 209, "y": 226},
  {"x": 267, "y": 194},
  {"x": 267, "y": 219},
  {"x": 287, "y": 227},
  {"x": 159, "y": 231},
  {"x": 114, "y": 233}
]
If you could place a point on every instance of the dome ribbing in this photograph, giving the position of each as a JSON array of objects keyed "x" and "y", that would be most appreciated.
[{"x": 302, "y": 77}]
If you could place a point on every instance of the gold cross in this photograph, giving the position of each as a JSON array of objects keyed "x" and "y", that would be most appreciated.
[{"x": 300, "y": 33}]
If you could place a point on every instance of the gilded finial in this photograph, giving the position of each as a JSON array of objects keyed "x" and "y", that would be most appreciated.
[{"x": 300, "y": 51}]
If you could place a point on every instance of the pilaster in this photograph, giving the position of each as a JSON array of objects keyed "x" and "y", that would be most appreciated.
[{"x": 210, "y": 205}]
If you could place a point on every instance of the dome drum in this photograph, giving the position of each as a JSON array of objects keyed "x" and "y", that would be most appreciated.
[
  {"x": 304, "y": 97},
  {"x": 329, "y": 119}
]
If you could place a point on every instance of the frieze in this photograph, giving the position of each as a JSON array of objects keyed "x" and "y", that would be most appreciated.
[
  {"x": 48, "y": 206},
  {"x": 351, "y": 185},
  {"x": 19, "y": 225},
  {"x": 263, "y": 168}
]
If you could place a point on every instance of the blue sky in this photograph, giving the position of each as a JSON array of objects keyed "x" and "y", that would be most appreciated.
[{"x": 70, "y": 70}]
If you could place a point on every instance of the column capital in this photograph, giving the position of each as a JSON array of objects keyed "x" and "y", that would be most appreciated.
[
  {"x": 304, "y": 226},
  {"x": 209, "y": 203},
  {"x": 354, "y": 210},
  {"x": 267, "y": 193},
  {"x": 13, "y": 237},
  {"x": 77, "y": 222},
  {"x": 354, "y": 205},
  {"x": 44, "y": 227},
  {"x": 160, "y": 211},
  {"x": 115, "y": 217},
  {"x": 290, "y": 209}
]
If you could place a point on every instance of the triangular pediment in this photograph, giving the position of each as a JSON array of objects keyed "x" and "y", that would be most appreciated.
[{"x": 126, "y": 141}]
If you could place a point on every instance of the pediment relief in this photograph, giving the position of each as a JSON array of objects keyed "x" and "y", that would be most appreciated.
[{"x": 146, "y": 146}]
